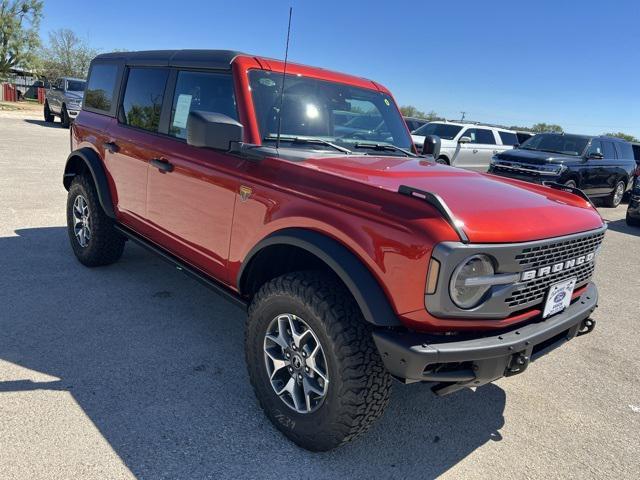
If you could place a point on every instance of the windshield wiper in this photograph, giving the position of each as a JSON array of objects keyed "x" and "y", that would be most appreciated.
[
  {"x": 308, "y": 141},
  {"x": 384, "y": 147}
]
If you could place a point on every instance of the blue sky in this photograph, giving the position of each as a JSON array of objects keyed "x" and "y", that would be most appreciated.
[{"x": 572, "y": 63}]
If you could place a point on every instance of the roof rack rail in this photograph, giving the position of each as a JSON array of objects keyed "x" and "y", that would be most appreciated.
[
  {"x": 567, "y": 188},
  {"x": 439, "y": 204}
]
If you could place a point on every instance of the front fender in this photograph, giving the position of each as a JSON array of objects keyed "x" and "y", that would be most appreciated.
[{"x": 354, "y": 274}]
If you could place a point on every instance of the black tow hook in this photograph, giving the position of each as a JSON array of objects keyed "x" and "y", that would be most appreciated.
[
  {"x": 518, "y": 364},
  {"x": 587, "y": 327}
]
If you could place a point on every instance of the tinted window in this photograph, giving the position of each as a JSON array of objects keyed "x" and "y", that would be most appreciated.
[
  {"x": 636, "y": 152},
  {"x": 75, "y": 86},
  {"x": 143, "y": 97},
  {"x": 508, "y": 138},
  {"x": 442, "y": 130},
  {"x": 100, "y": 87},
  {"x": 523, "y": 137},
  {"x": 624, "y": 150},
  {"x": 208, "y": 92},
  {"x": 480, "y": 135},
  {"x": 557, "y": 143},
  {"x": 608, "y": 150}
]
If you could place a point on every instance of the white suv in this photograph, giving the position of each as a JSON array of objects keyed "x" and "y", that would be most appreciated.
[{"x": 466, "y": 145}]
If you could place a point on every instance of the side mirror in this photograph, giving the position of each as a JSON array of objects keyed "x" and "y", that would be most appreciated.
[
  {"x": 464, "y": 140},
  {"x": 595, "y": 156},
  {"x": 431, "y": 146},
  {"x": 212, "y": 130},
  {"x": 516, "y": 145}
]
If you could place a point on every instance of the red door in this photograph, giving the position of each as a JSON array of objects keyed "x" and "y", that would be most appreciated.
[{"x": 191, "y": 193}]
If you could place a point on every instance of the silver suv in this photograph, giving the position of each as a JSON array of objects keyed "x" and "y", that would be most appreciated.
[
  {"x": 467, "y": 145},
  {"x": 64, "y": 99}
]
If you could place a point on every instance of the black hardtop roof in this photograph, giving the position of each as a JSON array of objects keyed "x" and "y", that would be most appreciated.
[
  {"x": 589, "y": 137},
  {"x": 216, "y": 59}
]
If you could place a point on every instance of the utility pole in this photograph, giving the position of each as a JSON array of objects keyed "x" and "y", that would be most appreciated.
[{"x": 463, "y": 114}]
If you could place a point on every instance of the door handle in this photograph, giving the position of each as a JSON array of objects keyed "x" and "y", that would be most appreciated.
[
  {"x": 111, "y": 146},
  {"x": 475, "y": 150},
  {"x": 162, "y": 164},
  {"x": 495, "y": 152}
]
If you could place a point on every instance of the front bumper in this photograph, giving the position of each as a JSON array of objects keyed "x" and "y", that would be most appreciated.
[{"x": 454, "y": 365}]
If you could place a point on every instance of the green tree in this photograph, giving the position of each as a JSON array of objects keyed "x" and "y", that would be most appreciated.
[
  {"x": 622, "y": 135},
  {"x": 546, "y": 128},
  {"x": 66, "y": 55},
  {"x": 19, "y": 23},
  {"x": 411, "y": 111}
]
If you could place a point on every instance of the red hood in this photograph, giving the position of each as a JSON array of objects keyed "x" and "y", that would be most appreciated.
[{"x": 493, "y": 209}]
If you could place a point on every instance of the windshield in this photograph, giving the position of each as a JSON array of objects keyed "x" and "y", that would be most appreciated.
[
  {"x": 557, "y": 143},
  {"x": 75, "y": 85},
  {"x": 442, "y": 130},
  {"x": 341, "y": 114}
]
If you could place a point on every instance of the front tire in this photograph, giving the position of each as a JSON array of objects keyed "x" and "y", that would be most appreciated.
[
  {"x": 93, "y": 238},
  {"x": 351, "y": 384},
  {"x": 571, "y": 184},
  {"x": 442, "y": 161},
  {"x": 613, "y": 200},
  {"x": 48, "y": 116},
  {"x": 632, "y": 222},
  {"x": 64, "y": 117}
]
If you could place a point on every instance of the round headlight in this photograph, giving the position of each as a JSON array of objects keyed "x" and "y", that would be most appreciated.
[{"x": 468, "y": 296}]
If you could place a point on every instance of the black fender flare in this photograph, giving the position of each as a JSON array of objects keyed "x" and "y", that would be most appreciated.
[
  {"x": 83, "y": 158},
  {"x": 366, "y": 290}
]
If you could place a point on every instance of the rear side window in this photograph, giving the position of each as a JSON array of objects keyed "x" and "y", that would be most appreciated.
[
  {"x": 508, "y": 138},
  {"x": 143, "y": 95},
  {"x": 101, "y": 86},
  {"x": 636, "y": 152},
  {"x": 624, "y": 150},
  {"x": 208, "y": 92},
  {"x": 608, "y": 150},
  {"x": 480, "y": 135}
]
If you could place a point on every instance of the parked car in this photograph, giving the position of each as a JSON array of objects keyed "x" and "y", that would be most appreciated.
[
  {"x": 524, "y": 136},
  {"x": 467, "y": 145},
  {"x": 633, "y": 210},
  {"x": 63, "y": 99},
  {"x": 603, "y": 167},
  {"x": 414, "y": 123},
  {"x": 358, "y": 261}
]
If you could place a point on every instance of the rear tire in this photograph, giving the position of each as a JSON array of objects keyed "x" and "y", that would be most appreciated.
[
  {"x": 613, "y": 200},
  {"x": 442, "y": 161},
  {"x": 632, "y": 222},
  {"x": 64, "y": 117},
  {"x": 93, "y": 238},
  {"x": 48, "y": 116},
  {"x": 570, "y": 183},
  {"x": 357, "y": 386}
]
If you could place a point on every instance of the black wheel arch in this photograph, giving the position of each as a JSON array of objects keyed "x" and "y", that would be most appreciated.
[
  {"x": 320, "y": 248},
  {"x": 86, "y": 160}
]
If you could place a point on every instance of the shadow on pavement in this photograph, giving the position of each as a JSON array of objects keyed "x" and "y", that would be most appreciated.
[
  {"x": 156, "y": 361},
  {"x": 42, "y": 123},
  {"x": 622, "y": 227}
]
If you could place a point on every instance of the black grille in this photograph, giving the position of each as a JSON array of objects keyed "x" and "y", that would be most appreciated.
[
  {"x": 535, "y": 290},
  {"x": 556, "y": 252}
]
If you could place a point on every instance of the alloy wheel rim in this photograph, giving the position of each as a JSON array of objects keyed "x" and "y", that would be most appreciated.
[
  {"x": 619, "y": 193},
  {"x": 81, "y": 221},
  {"x": 296, "y": 364}
]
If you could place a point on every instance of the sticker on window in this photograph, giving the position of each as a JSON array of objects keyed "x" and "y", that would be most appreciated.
[{"x": 182, "y": 111}]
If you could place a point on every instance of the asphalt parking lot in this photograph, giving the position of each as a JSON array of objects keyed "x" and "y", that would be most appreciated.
[{"x": 135, "y": 370}]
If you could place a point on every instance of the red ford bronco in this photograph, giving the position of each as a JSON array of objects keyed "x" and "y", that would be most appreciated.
[{"x": 301, "y": 197}]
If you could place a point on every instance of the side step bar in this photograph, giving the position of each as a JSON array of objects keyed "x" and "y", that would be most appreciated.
[
  {"x": 193, "y": 272},
  {"x": 439, "y": 204}
]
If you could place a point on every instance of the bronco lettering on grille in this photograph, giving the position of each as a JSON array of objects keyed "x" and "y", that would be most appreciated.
[{"x": 557, "y": 267}]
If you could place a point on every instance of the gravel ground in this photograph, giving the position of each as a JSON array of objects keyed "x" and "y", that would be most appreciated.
[{"x": 135, "y": 370}]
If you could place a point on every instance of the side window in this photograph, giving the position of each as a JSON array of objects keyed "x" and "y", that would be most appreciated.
[
  {"x": 608, "y": 150},
  {"x": 595, "y": 147},
  {"x": 508, "y": 138},
  {"x": 480, "y": 135},
  {"x": 209, "y": 92},
  {"x": 101, "y": 87},
  {"x": 624, "y": 150},
  {"x": 143, "y": 94}
]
